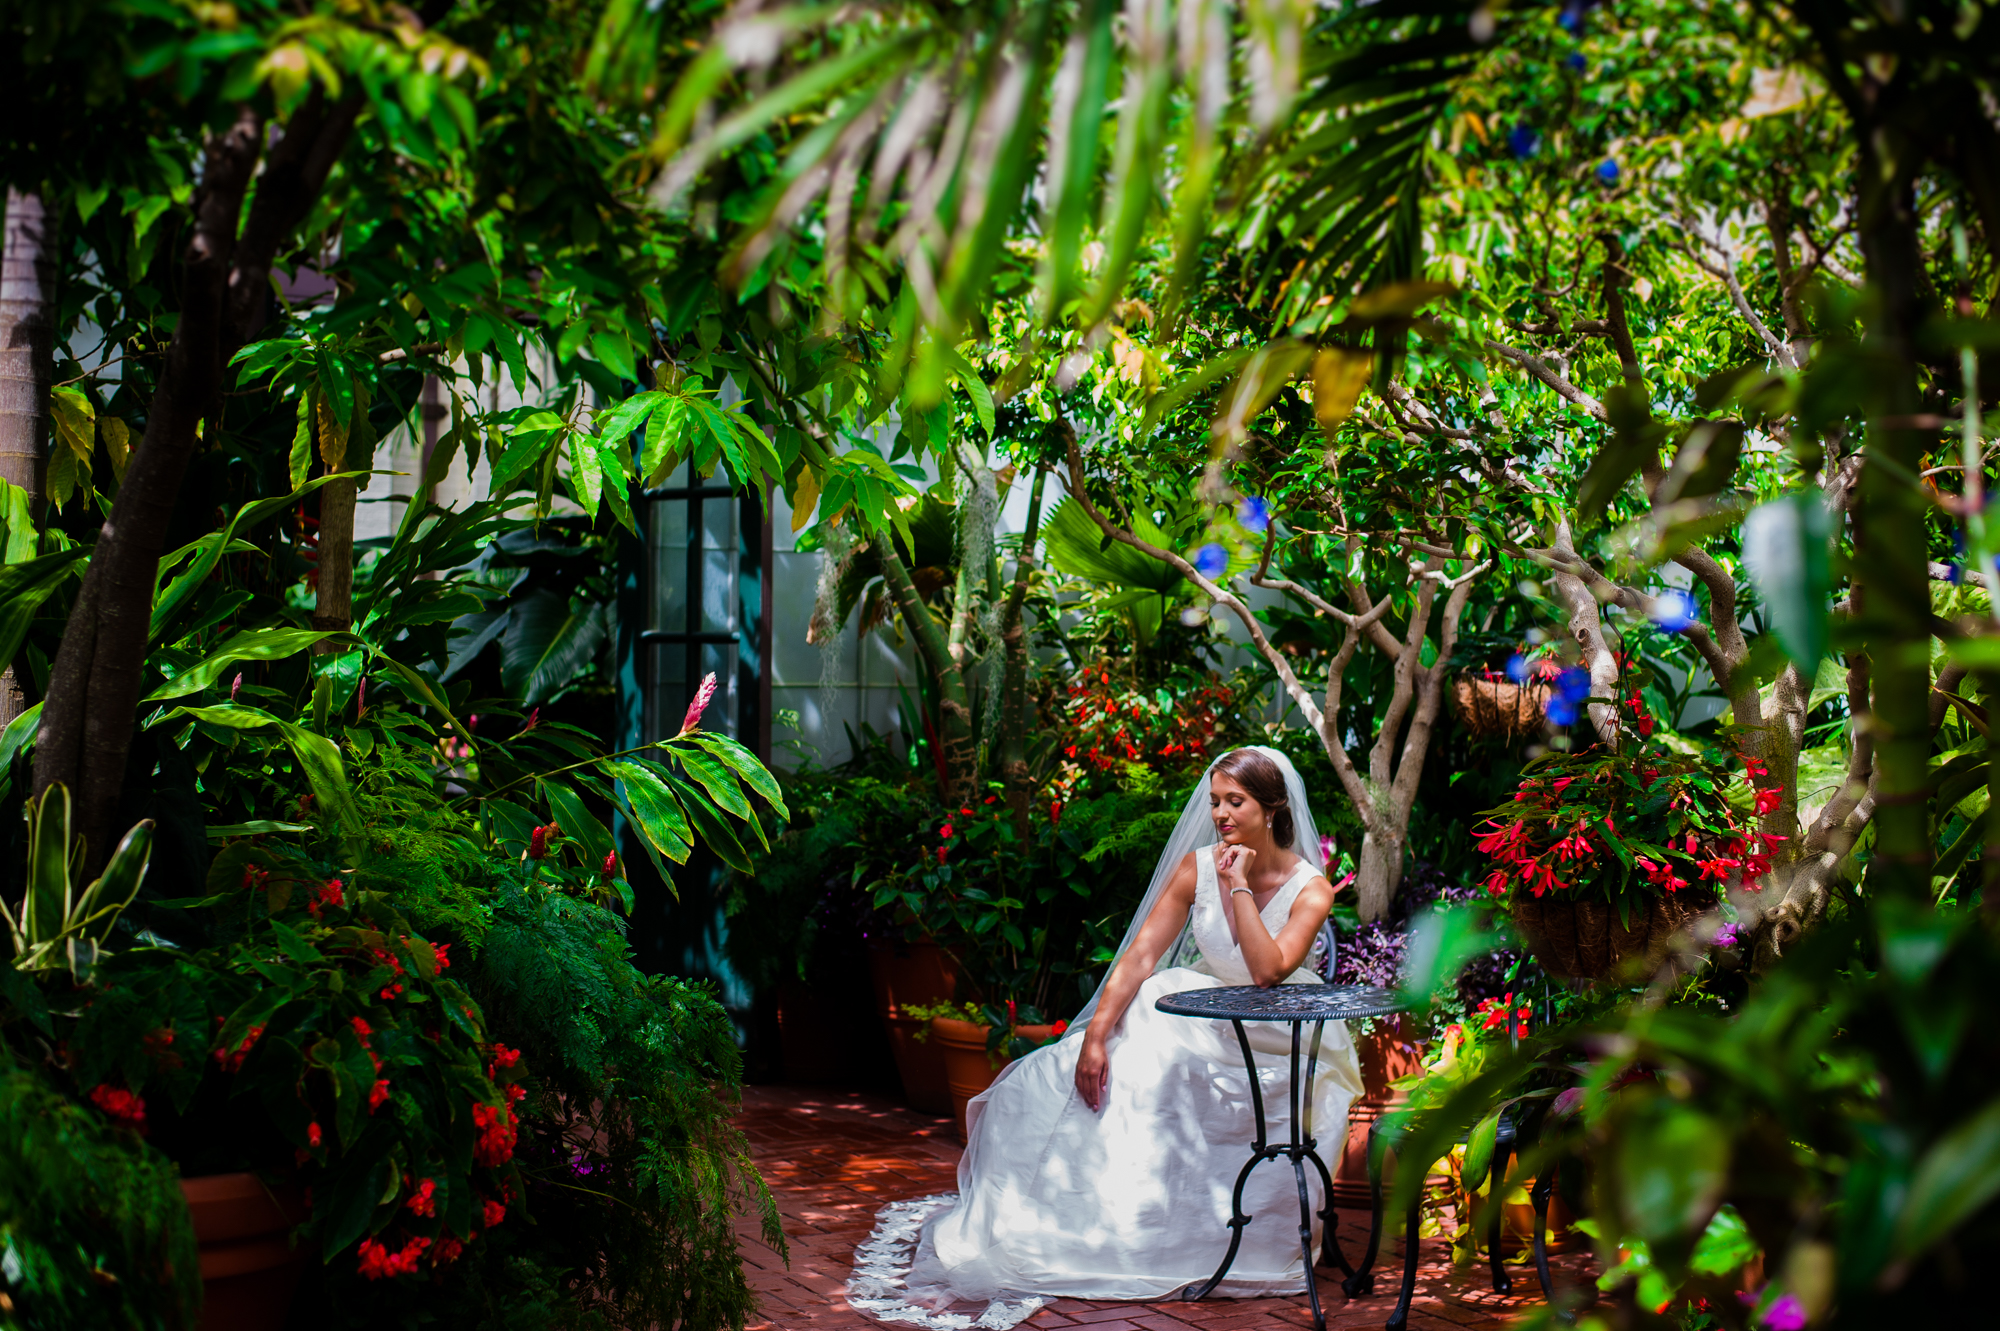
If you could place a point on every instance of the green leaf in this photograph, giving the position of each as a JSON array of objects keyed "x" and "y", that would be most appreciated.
[
  {"x": 576, "y": 820},
  {"x": 1955, "y": 1180},
  {"x": 1479, "y": 1152},
  {"x": 210, "y": 549},
  {"x": 249, "y": 645},
  {"x": 1785, "y": 549},
  {"x": 655, "y": 811},
  {"x": 1441, "y": 942},
  {"x": 299, "y": 464},
  {"x": 715, "y": 778},
  {"x": 745, "y": 764},
  {"x": 549, "y": 645}
]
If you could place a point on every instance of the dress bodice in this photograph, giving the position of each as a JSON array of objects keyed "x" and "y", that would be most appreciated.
[{"x": 1221, "y": 955}]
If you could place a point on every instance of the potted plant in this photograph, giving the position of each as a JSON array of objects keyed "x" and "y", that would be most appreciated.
[
  {"x": 1602, "y": 856},
  {"x": 978, "y": 1041}
]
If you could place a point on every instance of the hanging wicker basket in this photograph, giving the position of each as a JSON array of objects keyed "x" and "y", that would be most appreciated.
[
  {"x": 1498, "y": 709},
  {"x": 1584, "y": 940}
]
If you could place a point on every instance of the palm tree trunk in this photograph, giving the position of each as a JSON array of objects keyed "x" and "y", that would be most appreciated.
[
  {"x": 27, "y": 360},
  {"x": 1014, "y": 677},
  {"x": 955, "y": 726}
]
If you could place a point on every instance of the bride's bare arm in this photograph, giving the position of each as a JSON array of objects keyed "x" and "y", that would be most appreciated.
[
  {"x": 1272, "y": 958},
  {"x": 1156, "y": 935}
]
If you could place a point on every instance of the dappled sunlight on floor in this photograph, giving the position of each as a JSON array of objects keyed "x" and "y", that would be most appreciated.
[{"x": 832, "y": 1158}]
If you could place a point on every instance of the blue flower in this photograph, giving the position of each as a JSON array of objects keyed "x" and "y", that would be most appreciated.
[
  {"x": 1211, "y": 561},
  {"x": 1517, "y": 668},
  {"x": 1561, "y": 713},
  {"x": 1572, "y": 14},
  {"x": 1522, "y": 141},
  {"x": 1254, "y": 514},
  {"x": 1573, "y": 685},
  {"x": 1607, "y": 171},
  {"x": 1674, "y": 610},
  {"x": 1577, "y": 62}
]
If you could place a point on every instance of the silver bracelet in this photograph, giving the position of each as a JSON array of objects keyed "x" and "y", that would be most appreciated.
[{"x": 1246, "y": 891}]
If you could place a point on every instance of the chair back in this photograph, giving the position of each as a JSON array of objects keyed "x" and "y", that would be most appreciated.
[{"x": 1322, "y": 955}]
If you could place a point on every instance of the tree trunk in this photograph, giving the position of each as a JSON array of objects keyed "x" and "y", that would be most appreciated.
[
  {"x": 1014, "y": 679},
  {"x": 27, "y": 360},
  {"x": 955, "y": 722},
  {"x": 1377, "y": 876},
  {"x": 333, "y": 566}
]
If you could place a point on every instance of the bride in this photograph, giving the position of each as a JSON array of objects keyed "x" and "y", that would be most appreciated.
[{"x": 1100, "y": 1166}]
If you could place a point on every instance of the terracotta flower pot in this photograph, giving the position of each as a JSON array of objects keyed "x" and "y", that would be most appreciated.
[
  {"x": 1387, "y": 1054},
  {"x": 249, "y": 1267},
  {"x": 969, "y": 1067},
  {"x": 911, "y": 975},
  {"x": 1585, "y": 940}
]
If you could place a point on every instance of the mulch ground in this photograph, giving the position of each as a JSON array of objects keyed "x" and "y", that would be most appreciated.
[{"x": 832, "y": 1158}]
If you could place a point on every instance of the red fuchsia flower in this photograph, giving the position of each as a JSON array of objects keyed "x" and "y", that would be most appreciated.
[
  {"x": 120, "y": 1106},
  {"x": 1769, "y": 798},
  {"x": 702, "y": 696},
  {"x": 438, "y": 951},
  {"x": 378, "y": 1093},
  {"x": 1718, "y": 868},
  {"x": 423, "y": 1197},
  {"x": 232, "y": 1059},
  {"x": 329, "y": 895},
  {"x": 501, "y": 1057}
]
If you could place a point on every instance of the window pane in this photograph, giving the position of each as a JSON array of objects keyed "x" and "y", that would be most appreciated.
[{"x": 669, "y": 522}]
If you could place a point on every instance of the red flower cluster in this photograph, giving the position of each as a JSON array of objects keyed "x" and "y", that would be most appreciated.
[
  {"x": 1500, "y": 1013},
  {"x": 492, "y": 1212},
  {"x": 120, "y": 1106},
  {"x": 395, "y": 986},
  {"x": 232, "y": 1059},
  {"x": 423, "y": 1196},
  {"x": 329, "y": 896},
  {"x": 438, "y": 950},
  {"x": 497, "y": 1132},
  {"x": 159, "y": 1046},
  {"x": 379, "y": 1092},
  {"x": 539, "y": 839},
  {"x": 376, "y": 1261},
  {"x": 254, "y": 876},
  {"x": 1111, "y": 726}
]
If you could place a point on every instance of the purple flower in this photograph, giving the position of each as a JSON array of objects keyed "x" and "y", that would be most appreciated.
[
  {"x": 1673, "y": 610},
  {"x": 1726, "y": 936},
  {"x": 1517, "y": 668},
  {"x": 1211, "y": 561},
  {"x": 1607, "y": 171},
  {"x": 1254, "y": 514},
  {"x": 1522, "y": 141},
  {"x": 1787, "y": 1314},
  {"x": 1325, "y": 850}
]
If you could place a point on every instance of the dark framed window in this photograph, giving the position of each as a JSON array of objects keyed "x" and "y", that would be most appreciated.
[{"x": 707, "y": 608}]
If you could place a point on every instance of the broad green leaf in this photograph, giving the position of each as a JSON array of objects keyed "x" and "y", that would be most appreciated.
[
  {"x": 299, "y": 465},
  {"x": 249, "y": 645},
  {"x": 586, "y": 481},
  {"x": 745, "y": 764},
  {"x": 1955, "y": 1180},
  {"x": 211, "y": 549},
  {"x": 548, "y": 644},
  {"x": 655, "y": 810},
  {"x": 577, "y": 820},
  {"x": 1441, "y": 942},
  {"x": 1479, "y": 1153},
  {"x": 1785, "y": 549}
]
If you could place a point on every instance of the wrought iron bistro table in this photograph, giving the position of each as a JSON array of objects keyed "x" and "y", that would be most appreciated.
[{"x": 1295, "y": 1004}]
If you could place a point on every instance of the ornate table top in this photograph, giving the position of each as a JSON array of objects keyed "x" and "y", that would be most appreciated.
[{"x": 1284, "y": 1002}]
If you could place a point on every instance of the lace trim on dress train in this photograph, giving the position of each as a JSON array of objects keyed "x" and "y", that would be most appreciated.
[{"x": 879, "y": 1285}]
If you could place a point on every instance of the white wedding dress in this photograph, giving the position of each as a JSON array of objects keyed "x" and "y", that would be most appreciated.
[{"x": 1132, "y": 1202}]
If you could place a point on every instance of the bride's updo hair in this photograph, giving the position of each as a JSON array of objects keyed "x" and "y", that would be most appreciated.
[{"x": 1262, "y": 780}]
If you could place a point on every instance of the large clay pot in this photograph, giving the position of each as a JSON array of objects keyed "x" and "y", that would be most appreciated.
[
  {"x": 249, "y": 1267},
  {"x": 1387, "y": 1054},
  {"x": 969, "y": 1067},
  {"x": 910, "y": 975},
  {"x": 1585, "y": 940}
]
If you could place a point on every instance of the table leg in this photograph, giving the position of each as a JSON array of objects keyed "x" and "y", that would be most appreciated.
[
  {"x": 1297, "y": 1152},
  {"x": 1495, "y": 1199},
  {"x": 1540, "y": 1196},
  {"x": 1258, "y": 1154},
  {"x": 1400, "y": 1319},
  {"x": 1329, "y": 1248},
  {"x": 1360, "y": 1284}
]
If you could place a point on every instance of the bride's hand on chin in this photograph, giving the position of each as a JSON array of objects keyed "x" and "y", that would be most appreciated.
[
  {"x": 1093, "y": 1072},
  {"x": 1232, "y": 868}
]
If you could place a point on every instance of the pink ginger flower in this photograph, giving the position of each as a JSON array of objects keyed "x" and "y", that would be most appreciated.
[{"x": 702, "y": 697}]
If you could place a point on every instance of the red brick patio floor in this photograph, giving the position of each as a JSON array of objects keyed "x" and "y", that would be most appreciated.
[{"x": 832, "y": 1158}]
